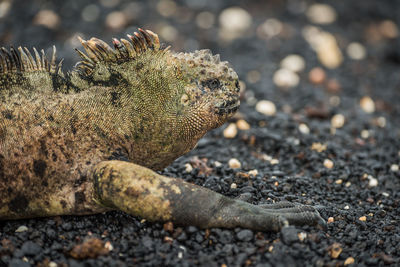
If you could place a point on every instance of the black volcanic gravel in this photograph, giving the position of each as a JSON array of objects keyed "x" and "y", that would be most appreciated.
[{"x": 341, "y": 192}]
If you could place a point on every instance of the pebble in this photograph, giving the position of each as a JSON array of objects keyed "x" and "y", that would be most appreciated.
[
  {"x": 230, "y": 131},
  {"x": 234, "y": 163},
  {"x": 356, "y": 51},
  {"x": 364, "y": 134},
  {"x": 334, "y": 101},
  {"x": 363, "y": 218},
  {"x": 21, "y": 229},
  {"x": 372, "y": 181},
  {"x": 234, "y": 21},
  {"x": 331, "y": 220},
  {"x": 334, "y": 250},
  {"x": 317, "y": 75},
  {"x": 294, "y": 63},
  {"x": 321, "y": 14},
  {"x": 302, "y": 236},
  {"x": 205, "y": 20},
  {"x": 389, "y": 29},
  {"x": 289, "y": 235},
  {"x": 245, "y": 235},
  {"x": 233, "y": 185},
  {"x": 217, "y": 164},
  {"x": 286, "y": 78},
  {"x": 303, "y": 128},
  {"x": 270, "y": 28},
  {"x": 242, "y": 125},
  {"x": 367, "y": 104},
  {"x": 337, "y": 121},
  {"x": 325, "y": 45},
  {"x": 47, "y": 18},
  {"x": 30, "y": 248},
  {"x": 253, "y": 76},
  {"x": 274, "y": 161},
  {"x": 266, "y": 107},
  {"x": 319, "y": 147},
  {"x": 253, "y": 172},
  {"x": 4, "y": 8},
  {"x": 116, "y": 20},
  {"x": 166, "y": 8},
  {"x": 348, "y": 261},
  {"x": 394, "y": 167},
  {"x": 381, "y": 122},
  {"x": 328, "y": 163},
  {"x": 346, "y": 207},
  {"x": 188, "y": 167}
]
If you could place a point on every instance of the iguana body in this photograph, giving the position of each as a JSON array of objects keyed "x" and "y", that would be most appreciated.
[{"x": 87, "y": 141}]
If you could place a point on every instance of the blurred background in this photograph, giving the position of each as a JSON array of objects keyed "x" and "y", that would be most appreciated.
[{"x": 280, "y": 48}]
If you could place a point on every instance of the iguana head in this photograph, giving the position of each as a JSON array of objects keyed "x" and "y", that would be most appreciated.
[
  {"x": 211, "y": 92},
  {"x": 170, "y": 99}
]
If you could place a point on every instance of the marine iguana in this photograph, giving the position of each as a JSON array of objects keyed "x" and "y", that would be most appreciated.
[{"x": 90, "y": 140}]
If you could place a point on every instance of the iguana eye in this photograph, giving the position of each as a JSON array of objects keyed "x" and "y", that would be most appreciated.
[{"x": 212, "y": 84}]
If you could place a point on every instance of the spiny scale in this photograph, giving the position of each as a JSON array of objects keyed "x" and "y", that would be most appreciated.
[
  {"x": 99, "y": 51},
  {"x": 22, "y": 61}
]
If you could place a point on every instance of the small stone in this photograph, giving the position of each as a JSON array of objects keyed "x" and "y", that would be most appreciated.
[
  {"x": 166, "y": 8},
  {"x": 116, "y": 20},
  {"x": 47, "y": 18},
  {"x": 108, "y": 246},
  {"x": 347, "y": 184},
  {"x": 339, "y": 181},
  {"x": 389, "y": 29},
  {"x": 303, "y": 128},
  {"x": 286, "y": 78},
  {"x": 325, "y": 45},
  {"x": 234, "y": 22},
  {"x": 234, "y": 163},
  {"x": 266, "y": 107},
  {"x": 270, "y": 28},
  {"x": 205, "y": 20},
  {"x": 356, "y": 51},
  {"x": 289, "y": 235},
  {"x": 346, "y": 207},
  {"x": 394, "y": 167},
  {"x": 245, "y": 235},
  {"x": 334, "y": 250},
  {"x": 168, "y": 227},
  {"x": 230, "y": 131},
  {"x": 367, "y": 104},
  {"x": 302, "y": 236},
  {"x": 317, "y": 75},
  {"x": 328, "y": 163},
  {"x": 318, "y": 147},
  {"x": 331, "y": 220},
  {"x": 334, "y": 101},
  {"x": 381, "y": 122},
  {"x": 337, "y": 121},
  {"x": 294, "y": 63},
  {"x": 364, "y": 134},
  {"x": 217, "y": 164},
  {"x": 348, "y": 261},
  {"x": 21, "y": 229},
  {"x": 274, "y": 161},
  {"x": 4, "y": 8},
  {"x": 188, "y": 167},
  {"x": 30, "y": 248},
  {"x": 253, "y": 172},
  {"x": 321, "y": 14},
  {"x": 242, "y": 125},
  {"x": 233, "y": 185},
  {"x": 52, "y": 264},
  {"x": 253, "y": 76},
  {"x": 363, "y": 218},
  {"x": 372, "y": 181}
]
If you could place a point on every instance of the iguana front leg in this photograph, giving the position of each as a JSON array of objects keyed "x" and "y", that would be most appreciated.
[{"x": 141, "y": 192}]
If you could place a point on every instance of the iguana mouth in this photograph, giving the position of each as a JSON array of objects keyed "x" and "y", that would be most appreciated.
[{"x": 228, "y": 107}]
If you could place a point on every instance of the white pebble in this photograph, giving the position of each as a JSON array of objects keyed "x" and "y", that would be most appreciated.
[
  {"x": 328, "y": 163},
  {"x": 233, "y": 185},
  {"x": 242, "y": 125},
  {"x": 367, "y": 104},
  {"x": 253, "y": 172},
  {"x": 364, "y": 134},
  {"x": 217, "y": 164},
  {"x": 321, "y": 14},
  {"x": 274, "y": 161},
  {"x": 286, "y": 78},
  {"x": 234, "y": 163},
  {"x": 303, "y": 128},
  {"x": 205, "y": 20},
  {"x": 294, "y": 63},
  {"x": 356, "y": 51},
  {"x": 394, "y": 167},
  {"x": 266, "y": 107},
  {"x": 381, "y": 121},
  {"x": 372, "y": 181},
  {"x": 385, "y": 194},
  {"x": 346, "y": 207},
  {"x": 188, "y": 167},
  {"x": 52, "y": 264},
  {"x": 337, "y": 121},
  {"x": 230, "y": 131},
  {"x": 21, "y": 229},
  {"x": 235, "y": 19},
  {"x": 270, "y": 28}
]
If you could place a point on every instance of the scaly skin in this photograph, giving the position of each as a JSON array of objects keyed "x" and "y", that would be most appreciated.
[{"x": 88, "y": 141}]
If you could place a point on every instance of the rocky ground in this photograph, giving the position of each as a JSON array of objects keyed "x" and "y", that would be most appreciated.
[{"x": 319, "y": 124}]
